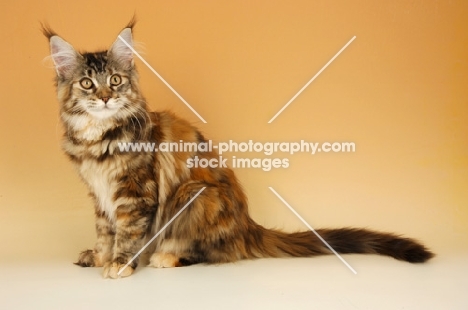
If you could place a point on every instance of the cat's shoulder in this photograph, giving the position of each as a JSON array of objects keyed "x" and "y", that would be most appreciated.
[
  {"x": 168, "y": 118},
  {"x": 171, "y": 126}
]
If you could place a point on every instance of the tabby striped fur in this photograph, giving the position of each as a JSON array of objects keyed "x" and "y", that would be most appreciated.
[{"x": 135, "y": 194}]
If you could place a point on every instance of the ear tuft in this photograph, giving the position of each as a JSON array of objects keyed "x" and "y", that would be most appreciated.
[
  {"x": 132, "y": 22},
  {"x": 121, "y": 50},
  {"x": 47, "y": 31}
]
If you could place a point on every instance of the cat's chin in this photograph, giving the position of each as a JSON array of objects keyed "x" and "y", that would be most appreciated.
[{"x": 103, "y": 114}]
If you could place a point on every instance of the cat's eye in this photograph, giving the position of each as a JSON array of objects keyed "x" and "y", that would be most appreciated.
[
  {"x": 86, "y": 83},
  {"x": 115, "y": 80}
]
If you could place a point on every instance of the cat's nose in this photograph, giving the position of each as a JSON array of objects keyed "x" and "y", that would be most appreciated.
[{"x": 105, "y": 99}]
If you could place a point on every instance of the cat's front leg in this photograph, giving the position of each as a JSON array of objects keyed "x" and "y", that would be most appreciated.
[
  {"x": 102, "y": 252},
  {"x": 131, "y": 225}
]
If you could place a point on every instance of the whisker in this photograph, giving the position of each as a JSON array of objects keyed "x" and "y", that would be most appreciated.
[{"x": 135, "y": 117}]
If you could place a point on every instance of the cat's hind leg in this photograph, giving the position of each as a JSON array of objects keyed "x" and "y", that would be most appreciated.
[
  {"x": 205, "y": 232},
  {"x": 173, "y": 253},
  {"x": 176, "y": 244},
  {"x": 164, "y": 260}
]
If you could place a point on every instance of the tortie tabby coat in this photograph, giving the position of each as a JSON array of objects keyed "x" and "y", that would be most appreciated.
[{"x": 137, "y": 193}]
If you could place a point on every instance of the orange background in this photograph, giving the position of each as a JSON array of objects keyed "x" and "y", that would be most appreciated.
[{"x": 399, "y": 91}]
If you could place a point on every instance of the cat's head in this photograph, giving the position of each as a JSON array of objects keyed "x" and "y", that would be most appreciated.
[{"x": 99, "y": 87}]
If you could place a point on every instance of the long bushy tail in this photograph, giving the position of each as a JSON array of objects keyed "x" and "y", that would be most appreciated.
[{"x": 272, "y": 243}]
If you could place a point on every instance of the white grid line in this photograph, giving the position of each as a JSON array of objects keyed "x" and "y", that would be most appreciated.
[
  {"x": 313, "y": 230},
  {"x": 203, "y": 120},
  {"x": 311, "y": 80},
  {"x": 161, "y": 230},
  {"x": 162, "y": 79}
]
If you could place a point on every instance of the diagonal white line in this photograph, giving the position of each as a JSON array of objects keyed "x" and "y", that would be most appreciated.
[
  {"x": 162, "y": 79},
  {"x": 160, "y": 231},
  {"x": 313, "y": 230},
  {"x": 312, "y": 79}
]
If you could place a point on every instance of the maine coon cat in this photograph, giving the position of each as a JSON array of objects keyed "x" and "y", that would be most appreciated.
[{"x": 137, "y": 193}]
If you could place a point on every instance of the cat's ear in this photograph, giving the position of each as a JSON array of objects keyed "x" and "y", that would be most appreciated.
[
  {"x": 64, "y": 56},
  {"x": 121, "y": 50}
]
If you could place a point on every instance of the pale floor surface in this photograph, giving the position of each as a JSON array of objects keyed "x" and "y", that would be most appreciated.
[{"x": 298, "y": 283}]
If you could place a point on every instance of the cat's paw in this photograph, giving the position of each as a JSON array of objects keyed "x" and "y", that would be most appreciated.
[
  {"x": 91, "y": 258},
  {"x": 112, "y": 269},
  {"x": 86, "y": 259},
  {"x": 164, "y": 260}
]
